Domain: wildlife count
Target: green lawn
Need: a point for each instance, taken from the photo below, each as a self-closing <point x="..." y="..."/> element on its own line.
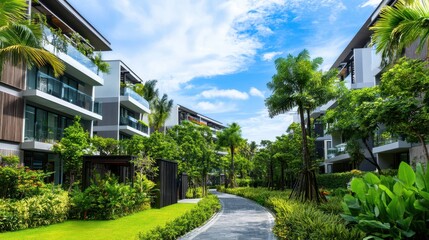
<point x="124" y="228"/>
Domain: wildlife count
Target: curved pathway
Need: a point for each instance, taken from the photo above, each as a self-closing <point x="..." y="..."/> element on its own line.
<point x="239" y="218"/>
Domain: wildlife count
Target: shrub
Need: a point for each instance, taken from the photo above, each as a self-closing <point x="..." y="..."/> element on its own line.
<point x="295" y="220"/>
<point x="190" y="220"/>
<point x="47" y="208"/>
<point x="336" y="180"/>
<point x="390" y="207"/>
<point x="108" y="199"/>
<point x="244" y="182"/>
<point x="194" y="192"/>
<point x="21" y="182"/>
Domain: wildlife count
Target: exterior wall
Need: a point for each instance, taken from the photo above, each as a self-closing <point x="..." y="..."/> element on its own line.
<point x="417" y="155"/>
<point x="13" y="76"/>
<point x="11" y="117"/>
<point x="173" y="119"/>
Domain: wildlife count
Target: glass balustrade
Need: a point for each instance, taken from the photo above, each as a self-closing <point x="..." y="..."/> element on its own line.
<point x="130" y="93"/>
<point x="54" y="87"/>
<point x="337" y="150"/>
<point x="134" y="123"/>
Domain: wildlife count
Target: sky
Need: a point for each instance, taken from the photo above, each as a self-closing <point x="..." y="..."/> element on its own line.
<point x="217" y="56"/>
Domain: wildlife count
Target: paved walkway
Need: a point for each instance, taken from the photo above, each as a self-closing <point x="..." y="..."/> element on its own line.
<point x="239" y="218"/>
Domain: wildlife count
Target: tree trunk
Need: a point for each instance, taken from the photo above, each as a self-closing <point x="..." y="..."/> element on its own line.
<point x="282" y="175"/>
<point x="232" y="169"/>
<point x="271" y="175"/>
<point x="306" y="188"/>
<point x="308" y="123"/>
<point x="425" y="148"/>
<point x="373" y="161"/>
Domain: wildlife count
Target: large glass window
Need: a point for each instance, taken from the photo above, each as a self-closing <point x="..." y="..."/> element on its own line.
<point x="41" y="125"/>
<point x="30" y="114"/>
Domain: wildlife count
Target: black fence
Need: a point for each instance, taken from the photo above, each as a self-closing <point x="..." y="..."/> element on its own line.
<point x="183" y="185"/>
<point x="166" y="182"/>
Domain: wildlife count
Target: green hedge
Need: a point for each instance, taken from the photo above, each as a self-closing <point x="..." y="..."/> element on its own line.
<point x="336" y="180"/>
<point x="47" y="208"/>
<point x="190" y="220"/>
<point x="295" y="220"/>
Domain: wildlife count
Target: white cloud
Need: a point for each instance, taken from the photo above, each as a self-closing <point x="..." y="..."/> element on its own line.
<point x="224" y="93"/>
<point x="256" y="92"/>
<point x="218" y="107"/>
<point x="262" y="127"/>
<point x="270" y="55"/>
<point x="370" y="3"/>
<point x="329" y="49"/>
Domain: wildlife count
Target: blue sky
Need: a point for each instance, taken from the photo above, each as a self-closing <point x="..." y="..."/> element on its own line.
<point x="216" y="56"/>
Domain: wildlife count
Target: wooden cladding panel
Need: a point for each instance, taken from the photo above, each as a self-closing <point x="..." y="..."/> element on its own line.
<point x="13" y="75"/>
<point x="11" y="117"/>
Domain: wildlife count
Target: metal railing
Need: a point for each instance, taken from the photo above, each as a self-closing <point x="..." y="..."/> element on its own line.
<point x="125" y="91"/>
<point x="337" y="150"/>
<point x="54" y="87"/>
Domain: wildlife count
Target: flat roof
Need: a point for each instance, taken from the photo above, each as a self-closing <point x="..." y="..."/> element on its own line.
<point x="128" y="70"/>
<point x="77" y="22"/>
<point x="200" y="115"/>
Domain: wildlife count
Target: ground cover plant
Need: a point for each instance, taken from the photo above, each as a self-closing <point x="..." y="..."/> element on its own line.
<point x="124" y="228"/>
<point x="296" y="220"/>
<point x="185" y="223"/>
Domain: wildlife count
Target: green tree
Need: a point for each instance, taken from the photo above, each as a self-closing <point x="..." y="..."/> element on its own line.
<point x="147" y="90"/>
<point x="230" y="137"/>
<point x="291" y="88"/>
<point x="404" y="107"/>
<point x="21" y="39"/>
<point x="102" y="66"/>
<point x="105" y="146"/>
<point x="399" y="26"/>
<point x="71" y="148"/>
<point x="355" y="119"/>
<point x="161" y="109"/>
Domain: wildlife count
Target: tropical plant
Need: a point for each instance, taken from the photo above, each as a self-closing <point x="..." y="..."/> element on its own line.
<point x="147" y="90"/>
<point x="388" y="207"/>
<point x="71" y="148"/>
<point x="102" y="66"/>
<point x="21" y="39"/>
<point x="292" y="86"/>
<point x="161" y="109"/>
<point x="230" y="137"/>
<point x="399" y="26"/>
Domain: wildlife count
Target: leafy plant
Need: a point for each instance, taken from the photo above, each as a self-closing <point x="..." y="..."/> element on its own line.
<point x="390" y="207"/>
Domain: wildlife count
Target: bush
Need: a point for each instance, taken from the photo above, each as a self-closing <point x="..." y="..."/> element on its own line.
<point x="195" y="192"/>
<point x="244" y="182"/>
<point x="336" y="180"/>
<point x="47" y="208"/>
<point x="108" y="199"/>
<point x="21" y="182"/>
<point x="295" y="220"/>
<point x="390" y="207"/>
<point x="304" y="221"/>
<point x="190" y="220"/>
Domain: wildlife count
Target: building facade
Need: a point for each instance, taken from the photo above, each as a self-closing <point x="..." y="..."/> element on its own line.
<point x="125" y="113"/>
<point x="35" y="105"/>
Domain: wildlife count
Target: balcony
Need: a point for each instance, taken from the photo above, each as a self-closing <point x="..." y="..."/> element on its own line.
<point x="50" y="92"/>
<point x="77" y="63"/>
<point x="132" y="126"/>
<point x="134" y="101"/>
<point x="41" y="139"/>
<point x="386" y="142"/>
<point x="337" y="153"/>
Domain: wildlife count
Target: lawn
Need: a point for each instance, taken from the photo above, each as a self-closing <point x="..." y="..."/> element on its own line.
<point x="124" y="228"/>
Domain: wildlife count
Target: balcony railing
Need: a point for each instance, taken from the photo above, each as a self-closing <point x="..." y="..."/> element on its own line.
<point x="130" y="93"/>
<point x="43" y="133"/>
<point x="71" y="51"/>
<point x="134" y="123"/>
<point x="384" y="137"/>
<point x="337" y="150"/>
<point x="54" y="87"/>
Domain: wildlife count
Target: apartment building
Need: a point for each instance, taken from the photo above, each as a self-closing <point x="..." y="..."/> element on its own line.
<point x="180" y="113"/>
<point x="125" y="113"/>
<point x="359" y="67"/>
<point x="36" y="106"/>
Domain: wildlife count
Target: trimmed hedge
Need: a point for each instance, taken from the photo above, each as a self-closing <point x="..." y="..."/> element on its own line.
<point x="190" y="220"/>
<point x="295" y="220"/>
<point x="44" y="209"/>
<point x="336" y="180"/>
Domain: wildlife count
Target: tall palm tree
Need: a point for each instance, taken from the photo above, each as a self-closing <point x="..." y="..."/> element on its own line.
<point x="291" y="88"/>
<point x="399" y="26"/>
<point x="161" y="109"/>
<point x="231" y="137"/>
<point x="21" y="39"/>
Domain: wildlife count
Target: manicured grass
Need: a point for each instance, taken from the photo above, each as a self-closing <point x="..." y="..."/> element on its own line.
<point x="124" y="228"/>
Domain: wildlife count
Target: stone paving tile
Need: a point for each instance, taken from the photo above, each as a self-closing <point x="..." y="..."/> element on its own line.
<point x="239" y="218"/>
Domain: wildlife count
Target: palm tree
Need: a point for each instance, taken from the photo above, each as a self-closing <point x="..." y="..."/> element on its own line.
<point x="147" y="90"/>
<point x="21" y="39"/>
<point x="290" y="85"/>
<point x="102" y="66"/>
<point x="399" y="26"/>
<point x="161" y="109"/>
<point x="231" y="137"/>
